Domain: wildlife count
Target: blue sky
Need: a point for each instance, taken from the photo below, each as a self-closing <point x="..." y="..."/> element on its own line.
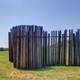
<point x="52" y="14"/>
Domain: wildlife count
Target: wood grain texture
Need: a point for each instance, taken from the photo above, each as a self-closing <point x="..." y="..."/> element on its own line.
<point x="31" y="47"/>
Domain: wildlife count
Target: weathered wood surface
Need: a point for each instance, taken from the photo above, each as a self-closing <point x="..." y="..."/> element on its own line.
<point x="59" y="46"/>
<point x="10" y="47"/>
<point x="71" y="47"/>
<point x="31" y="47"/>
<point x="48" y="50"/>
<point x="79" y="45"/>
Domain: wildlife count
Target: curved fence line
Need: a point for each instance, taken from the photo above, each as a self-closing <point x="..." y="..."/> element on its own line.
<point x="31" y="47"/>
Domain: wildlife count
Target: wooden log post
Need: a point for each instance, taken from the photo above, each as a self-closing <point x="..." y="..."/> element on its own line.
<point x="74" y="36"/>
<point x="27" y="47"/>
<point x="50" y="54"/>
<point x="10" y="47"/>
<point x="62" y="55"/>
<point x="35" y="37"/>
<point x="65" y="46"/>
<point x="9" y="40"/>
<point x="48" y="50"/>
<point x="56" y="48"/>
<point x="40" y="33"/>
<point x="30" y="47"/>
<point x="79" y="45"/>
<point x="21" y="47"/>
<point x="44" y="47"/>
<point x="24" y="49"/>
<point x="70" y="57"/>
<point x="34" y="48"/>
<point x="76" y="50"/>
<point x="52" y="48"/>
<point x="59" y="46"/>
<point x="14" y="43"/>
<point x="71" y="48"/>
<point x="39" y="40"/>
<point x="18" y="49"/>
<point x="42" y="50"/>
<point x="37" y="46"/>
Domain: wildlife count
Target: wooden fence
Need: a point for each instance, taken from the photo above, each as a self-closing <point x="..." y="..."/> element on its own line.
<point x="31" y="47"/>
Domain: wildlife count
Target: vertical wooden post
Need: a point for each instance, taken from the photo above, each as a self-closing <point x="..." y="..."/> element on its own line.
<point x="18" y="50"/>
<point x="24" y="49"/>
<point x="77" y="36"/>
<point x="65" y="46"/>
<point x="44" y="47"/>
<point x="10" y="47"/>
<point x="71" y="48"/>
<point x="34" y="48"/>
<point x="50" y="54"/>
<point x="35" y="37"/>
<point x="59" y="46"/>
<point x="14" y="43"/>
<point x="76" y="49"/>
<point x="39" y="45"/>
<point x="41" y="29"/>
<point x="51" y="47"/>
<point x="79" y="46"/>
<point x="54" y="44"/>
<point x="27" y="46"/>
<point x="48" y="50"/>
<point x="62" y="55"/>
<point x="56" y="48"/>
<point x="21" y="55"/>
<point x="70" y="57"/>
<point x="30" y="47"/>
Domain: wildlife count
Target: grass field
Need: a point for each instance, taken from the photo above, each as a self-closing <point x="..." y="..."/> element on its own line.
<point x="7" y="72"/>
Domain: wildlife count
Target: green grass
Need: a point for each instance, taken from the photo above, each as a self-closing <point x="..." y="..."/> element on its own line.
<point x="7" y="72"/>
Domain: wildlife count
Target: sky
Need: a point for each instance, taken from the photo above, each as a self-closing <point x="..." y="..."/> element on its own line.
<point x="51" y="14"/>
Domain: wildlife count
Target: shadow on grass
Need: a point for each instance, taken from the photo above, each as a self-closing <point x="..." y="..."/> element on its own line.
<point x="48" y="68"/>
<point x="38" y="69"/>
